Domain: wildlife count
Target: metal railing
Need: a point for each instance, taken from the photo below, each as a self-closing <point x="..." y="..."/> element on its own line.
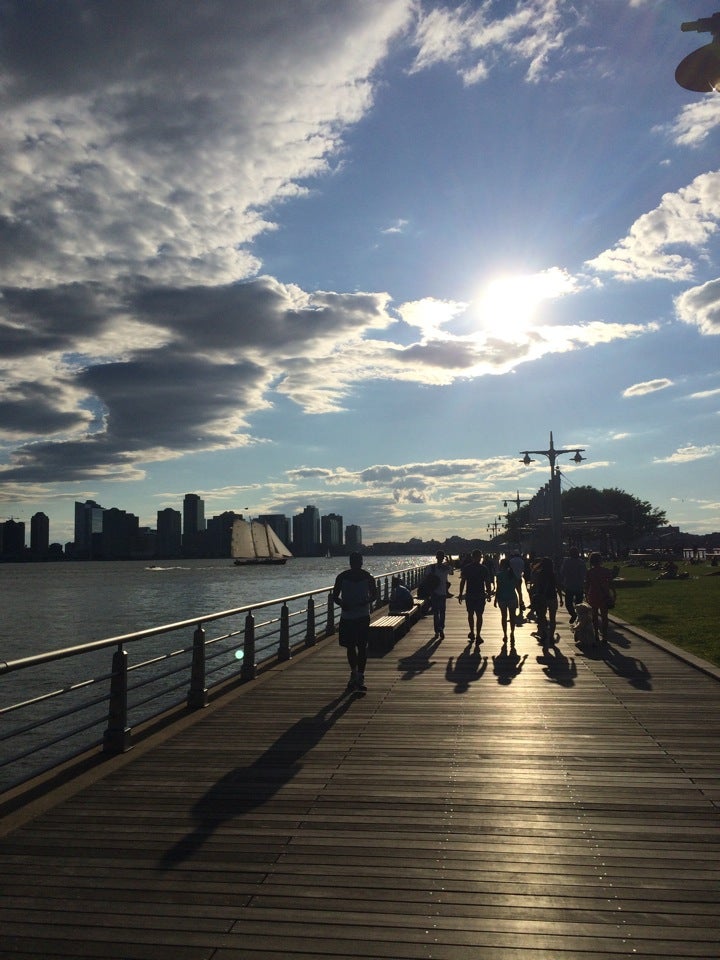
<point x="71" y="703"/>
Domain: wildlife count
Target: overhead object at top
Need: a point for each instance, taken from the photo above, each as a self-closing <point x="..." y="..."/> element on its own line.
<point x="700" y="70"/>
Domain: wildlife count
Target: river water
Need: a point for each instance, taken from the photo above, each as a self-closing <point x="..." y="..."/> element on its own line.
<point x="47" y="606"/>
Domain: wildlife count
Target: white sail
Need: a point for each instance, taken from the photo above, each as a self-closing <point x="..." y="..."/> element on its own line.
<point x="277" y="547"/>
<point x="256" y="542"/>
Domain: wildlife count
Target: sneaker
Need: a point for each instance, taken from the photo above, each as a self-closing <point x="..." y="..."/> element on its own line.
<point x="471" y="636"/>
<point x="442" y="634"/>
<point x="352" y="683"/>
<point x="361" y="682"/>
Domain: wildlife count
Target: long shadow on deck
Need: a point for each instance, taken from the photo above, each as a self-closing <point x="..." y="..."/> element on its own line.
<point x="245" y="788"/>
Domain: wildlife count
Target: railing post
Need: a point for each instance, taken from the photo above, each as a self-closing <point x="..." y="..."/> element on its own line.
<point x="249" y="670"/>
<point x="197" y="694"/>
<point x="310" y="626"/>
<point x="330" y="619"/>
<point x="284" y="645"/>
<point x="387" y="591"/>
<point x="118" y="736"/>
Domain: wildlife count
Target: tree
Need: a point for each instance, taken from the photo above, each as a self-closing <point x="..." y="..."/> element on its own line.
<point x="638" y="517"/>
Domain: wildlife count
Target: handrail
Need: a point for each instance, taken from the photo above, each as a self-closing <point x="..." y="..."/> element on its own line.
<point x="235" y="651"/>
<point x="8" y="666"/>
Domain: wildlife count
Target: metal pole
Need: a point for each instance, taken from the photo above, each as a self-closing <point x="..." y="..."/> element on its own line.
<point x="249" y="669"/>
<point x="197" y="694"/>
<point x="284" y="645"/>
<point x="310" y="623"/>
<point x="118" y="736"/>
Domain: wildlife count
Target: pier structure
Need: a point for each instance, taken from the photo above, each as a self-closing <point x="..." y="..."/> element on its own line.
<point x="478" y="801"/>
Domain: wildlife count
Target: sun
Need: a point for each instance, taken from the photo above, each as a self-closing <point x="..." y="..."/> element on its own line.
<point x="507" y="307"/>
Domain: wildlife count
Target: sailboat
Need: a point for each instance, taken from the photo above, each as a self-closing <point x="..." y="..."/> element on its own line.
<point x="256" y="543"/>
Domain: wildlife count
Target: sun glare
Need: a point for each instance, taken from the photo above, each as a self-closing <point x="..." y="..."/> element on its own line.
<point x="508" y="305"/>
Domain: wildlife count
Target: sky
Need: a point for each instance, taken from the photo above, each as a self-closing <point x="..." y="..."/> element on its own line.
<point x="360" y="254"/>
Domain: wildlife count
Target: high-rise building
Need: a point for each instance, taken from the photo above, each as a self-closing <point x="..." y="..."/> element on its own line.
<point x="119" y="536"/>
<point x="193" y="524"/>
<point x="306" y="532"/>
<point x="13" y="539"/>
<point x="353" y="536"/>
<point x="169" y="533"/>
<point x="331" y="529"/>
<point x="219" y="534"/>
<point x="39" y="535"/>
<point x="88" y="529"/>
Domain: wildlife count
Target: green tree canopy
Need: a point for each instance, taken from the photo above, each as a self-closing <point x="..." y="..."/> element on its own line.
<point x="638" y="517"/>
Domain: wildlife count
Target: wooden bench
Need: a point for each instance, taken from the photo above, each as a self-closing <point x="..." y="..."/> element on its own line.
<point x="386" y="630"/>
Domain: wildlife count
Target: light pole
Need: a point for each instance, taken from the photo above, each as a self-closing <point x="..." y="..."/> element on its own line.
<point x="555" y="503"/>
<point x="494" y="526"/>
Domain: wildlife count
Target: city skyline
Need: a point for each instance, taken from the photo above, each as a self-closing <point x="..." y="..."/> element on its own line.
<point x="357" y="254"/>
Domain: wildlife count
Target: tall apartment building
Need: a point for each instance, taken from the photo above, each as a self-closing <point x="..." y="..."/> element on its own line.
<point x="12" y="541"/>
<point x="193" y="524"/>
<point x="169" y="533"/>
<point x="39" y="535"/>
<point x="331" y="530"/>
<point x="219" y="534"/>
<point x="88" y="529"/>
<point x="353" y="536"/>
<point x="306" y="532"/>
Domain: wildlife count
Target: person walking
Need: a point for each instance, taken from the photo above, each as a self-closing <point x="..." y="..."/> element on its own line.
<point x="544" y="596"/>
<point x="506" y="598"/>
<point x="442" y="570"/>
<point x="600" y="594"/>
<point x="517" y="565"/>
<point x="573" y="571"/>
<point x="476" y="587"/>
<point x="354" y="592"/>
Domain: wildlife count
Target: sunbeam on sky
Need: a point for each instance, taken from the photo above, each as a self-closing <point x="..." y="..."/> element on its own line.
<point x="356" y="254"/>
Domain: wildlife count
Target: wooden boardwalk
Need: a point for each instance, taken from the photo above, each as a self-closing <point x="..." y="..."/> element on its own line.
<point x="468" y="806"/>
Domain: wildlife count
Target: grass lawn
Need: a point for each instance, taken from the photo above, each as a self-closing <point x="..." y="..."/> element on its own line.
<point x="684" y="612"/>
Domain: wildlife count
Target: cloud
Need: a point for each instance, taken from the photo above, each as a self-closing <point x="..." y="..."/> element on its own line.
<point x="704" y="394"/>
<point x="397" y="227"/>
<point x="467" y="38"/>
<point x="648" y="386"/>
<point x="694" y="123"/>
<point x="685" y="220"/>
<point x="689" y="453"/>
<point x="700" y="307"/>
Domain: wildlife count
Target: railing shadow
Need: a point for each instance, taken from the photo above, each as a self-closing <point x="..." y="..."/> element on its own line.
<point x="246" y="788"/>
<point x="467" y="668"/>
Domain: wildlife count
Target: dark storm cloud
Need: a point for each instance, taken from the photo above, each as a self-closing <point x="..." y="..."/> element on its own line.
<point x="155" y="408"/>
<point x="29" y="408"/>
<point x="260" y="313"/>
<point x="40" y="320"/>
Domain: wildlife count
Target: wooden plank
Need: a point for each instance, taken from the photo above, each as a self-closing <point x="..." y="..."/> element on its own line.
<point x="563" y="807"/>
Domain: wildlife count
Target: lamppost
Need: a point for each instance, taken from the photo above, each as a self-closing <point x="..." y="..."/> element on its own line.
<point x="517" y="501"/>
<point x="700" y="70"/>
<point x="495" y="526"/>
<point x="554" y="489"/>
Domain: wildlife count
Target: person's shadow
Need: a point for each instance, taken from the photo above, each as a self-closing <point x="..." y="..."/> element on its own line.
<point x="419" y="660"/>
<point x="466" y="669"/>
<point x="632" y="669"/>
<point x="557" y="667"/>
<point x="245" y="788"/>
<point x="508" y="664"/>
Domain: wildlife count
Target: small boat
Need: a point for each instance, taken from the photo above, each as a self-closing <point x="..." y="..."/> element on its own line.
<point x="256" y="544"/>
